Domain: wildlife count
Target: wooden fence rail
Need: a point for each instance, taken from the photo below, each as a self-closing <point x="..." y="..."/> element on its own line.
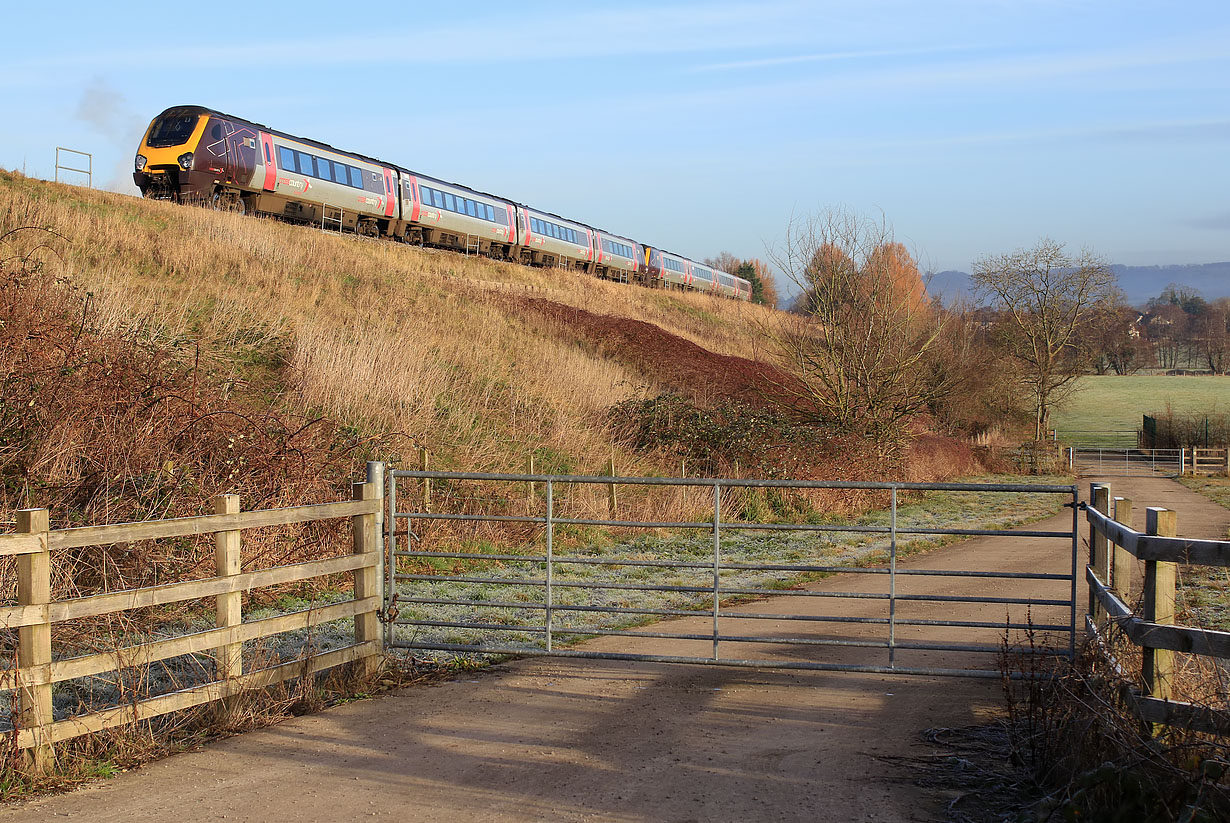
<point x="37" y="671"/>
<point x="1154" y="630"/>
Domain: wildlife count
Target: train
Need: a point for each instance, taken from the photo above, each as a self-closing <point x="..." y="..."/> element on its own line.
<point x="195" y="154"/>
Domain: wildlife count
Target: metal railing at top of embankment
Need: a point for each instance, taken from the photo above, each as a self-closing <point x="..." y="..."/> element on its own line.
<point x="542" y="596"/>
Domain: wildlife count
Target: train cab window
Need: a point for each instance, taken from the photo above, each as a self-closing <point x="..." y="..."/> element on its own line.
<point x="171" y="130"/>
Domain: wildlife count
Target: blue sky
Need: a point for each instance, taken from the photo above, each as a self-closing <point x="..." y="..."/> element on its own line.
<point x="974" y="127"/>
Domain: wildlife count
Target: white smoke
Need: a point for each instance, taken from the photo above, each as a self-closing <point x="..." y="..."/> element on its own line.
<point x="107" y="110"/>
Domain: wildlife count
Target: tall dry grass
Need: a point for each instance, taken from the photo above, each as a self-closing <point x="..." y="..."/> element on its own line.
<point x="384" y="337"/>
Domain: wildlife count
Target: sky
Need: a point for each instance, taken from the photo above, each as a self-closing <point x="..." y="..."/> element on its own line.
<point x="974" y="128"/>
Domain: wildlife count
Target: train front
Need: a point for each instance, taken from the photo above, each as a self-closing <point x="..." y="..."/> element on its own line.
<point x="164" y="166"/>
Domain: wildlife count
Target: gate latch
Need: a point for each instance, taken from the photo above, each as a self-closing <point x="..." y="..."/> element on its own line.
<point x="1081" y="506"/>
<point x="389" y="613"/>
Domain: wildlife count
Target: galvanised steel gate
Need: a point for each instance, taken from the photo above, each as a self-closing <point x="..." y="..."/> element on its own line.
<point x="522" y="592"/>
<point x="1124" y="462"/>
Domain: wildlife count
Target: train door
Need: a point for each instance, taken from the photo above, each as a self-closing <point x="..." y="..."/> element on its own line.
<point x="271" y="166"/>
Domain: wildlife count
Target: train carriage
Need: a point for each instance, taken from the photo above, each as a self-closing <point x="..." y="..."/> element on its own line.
<point x="445" y="214"/>
<point x="666" y="270"/>
<point x="704" y="278"/>
<point x="550" y="240"/>
<point x="617" y="258"/>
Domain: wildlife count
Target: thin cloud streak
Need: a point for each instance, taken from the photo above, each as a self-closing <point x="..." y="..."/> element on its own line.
<point x="826" y="57"/>
<point x="587" y="35"/>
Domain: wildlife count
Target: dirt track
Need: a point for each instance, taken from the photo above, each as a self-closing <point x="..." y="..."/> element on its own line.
<point x="579" y="740"/>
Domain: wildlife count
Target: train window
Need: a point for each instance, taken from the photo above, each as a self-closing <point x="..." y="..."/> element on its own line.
<point x="306" y="164"/>
<point x="173" y="130"/>
<point x="286" y="157"/>
<point x="356" y="177"/>
<point x="491" y="212"/>
<point x="340" y="173"/>
<point x="470" y="210"/>
<point x="324" y="169"/>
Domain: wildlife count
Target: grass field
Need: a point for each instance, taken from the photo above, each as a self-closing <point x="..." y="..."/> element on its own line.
<point x="1113" y="403"/>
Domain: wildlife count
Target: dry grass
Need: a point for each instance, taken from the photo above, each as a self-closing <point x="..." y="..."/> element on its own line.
<point x="384" y="337"/>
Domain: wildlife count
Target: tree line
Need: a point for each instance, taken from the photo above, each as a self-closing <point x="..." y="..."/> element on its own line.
<point x="1178" y="329"/>
<point x="870" y="354"/>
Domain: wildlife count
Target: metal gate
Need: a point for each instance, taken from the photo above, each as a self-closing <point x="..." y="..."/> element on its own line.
<point x="1116" y="462"/>
<point x="525" y="568"/>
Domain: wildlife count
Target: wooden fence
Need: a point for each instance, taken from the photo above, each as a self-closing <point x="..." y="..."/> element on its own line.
<point x="1114" y="547"/>
<point x="37" y="670"/>
<point x="1210" y="461"/>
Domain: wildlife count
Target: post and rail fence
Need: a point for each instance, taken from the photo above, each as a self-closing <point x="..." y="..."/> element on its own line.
<point x="1114" y="548"/>
<point x="37" y="669"/>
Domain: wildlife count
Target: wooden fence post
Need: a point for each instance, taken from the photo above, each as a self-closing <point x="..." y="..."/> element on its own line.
<point x="1158" y="664"/>
<point x="367" y="580"/>
<point x="228" y="658"/>
<point x="1121" y="574"/>
<point x="613" y="501"/>
<point x="34" y="705"/>
<point x="423" y="463"/>
<point x="1099" y="498"/>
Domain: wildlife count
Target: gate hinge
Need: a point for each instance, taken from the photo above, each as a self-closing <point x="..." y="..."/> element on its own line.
<point x="1081" y="506"/>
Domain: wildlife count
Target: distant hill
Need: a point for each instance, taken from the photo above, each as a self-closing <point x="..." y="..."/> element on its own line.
<point x="1139" y="283"/>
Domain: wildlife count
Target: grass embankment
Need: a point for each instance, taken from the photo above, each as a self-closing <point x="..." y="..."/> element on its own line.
<point x="1106" y="404"/>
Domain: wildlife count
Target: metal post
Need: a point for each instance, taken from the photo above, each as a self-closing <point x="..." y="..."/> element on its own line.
<point x="892" y="581"/>
<point x="717" y="561"/>
<point x="550" y="549"/>
<point x="1076" y="499"/>
<point x="390" y="556"/>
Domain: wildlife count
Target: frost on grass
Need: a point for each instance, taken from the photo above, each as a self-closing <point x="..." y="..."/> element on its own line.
<point x="511" y="613"/>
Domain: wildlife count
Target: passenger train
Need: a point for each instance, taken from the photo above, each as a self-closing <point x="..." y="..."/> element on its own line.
<point x="195" y="154"/>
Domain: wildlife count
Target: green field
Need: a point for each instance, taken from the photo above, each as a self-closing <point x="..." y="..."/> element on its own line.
<point x="1114" y="403"/>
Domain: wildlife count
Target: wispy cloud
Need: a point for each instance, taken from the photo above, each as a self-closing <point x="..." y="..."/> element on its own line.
<point x="596" y="33"/>
<point x="826" y="57"/>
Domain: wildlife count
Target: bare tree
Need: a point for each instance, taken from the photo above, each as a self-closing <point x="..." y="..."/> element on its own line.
<point x="1048" y="297"/>
<point x="860" y="340"/>
<point x="1213" y="335"/>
